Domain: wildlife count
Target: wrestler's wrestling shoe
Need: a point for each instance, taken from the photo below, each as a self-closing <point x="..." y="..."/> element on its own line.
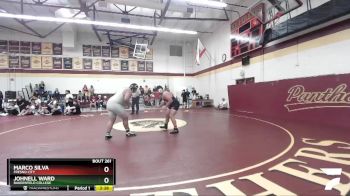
<point x="108" y="136"/>
<point x="165" y="127"/>
<point x="130" y="134"/>
<point x="175" y="131"/>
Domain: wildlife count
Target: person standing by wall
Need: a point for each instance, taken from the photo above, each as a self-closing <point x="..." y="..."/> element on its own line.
<point x="91" y="91"/>
<point x="135" y="101"/>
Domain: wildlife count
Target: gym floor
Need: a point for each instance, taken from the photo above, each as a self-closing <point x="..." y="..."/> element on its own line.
<point x="214" y="146"/>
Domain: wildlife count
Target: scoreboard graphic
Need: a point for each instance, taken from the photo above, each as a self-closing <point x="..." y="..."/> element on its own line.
<point x="96" y="174"/>
<point x="247" y="31"/>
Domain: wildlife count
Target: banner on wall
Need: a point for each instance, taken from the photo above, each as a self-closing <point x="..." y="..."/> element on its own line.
<point x="36" y="62"/>
<point x="124" y="65"/>
<point x="149" y="66"/>
<point x="97" y="64"/>
<point x="36" y="48"/>
<point x="124" y="52"/>
<point x="4" y="46"/>
<point x="149" y="54"/>
<point x="87" y="63"/>
<point x="25" y="62"/>
<point x="25" y="47"/>
<point x="106" y="64"/>
<point x="133" y="65"/>
<point x="77" y="63"/>
<point x="115" y="65"/>
<point x="96" y="51"/>
<point x="13" y="61"/>
<point x="57" y="48"/>
<point x="131" y="53"/>
<point x="106" y="51"/>
<point x="46" y="48"/>
<point x="114" y="52"/>
<point x="4" y="61"/>
<point x="141" y="66"/>
<point x="87" y="50"/>
<point x="13" y="46"/>
<point x="46" y="62"/>
<point x="57" y="62"/>
<point x="68" y="63"/>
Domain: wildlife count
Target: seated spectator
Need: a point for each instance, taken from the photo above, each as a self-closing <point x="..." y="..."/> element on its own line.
<point x="69" y="107"/>
<point x="80" y="96"/>
<point x="68" y="96"/>
<point x="44" y="109"/>
<point x="41" y="88"/>
<point x="54" y="107"/>
<point x="29" y="110"/>
<point x="99" y="102"/>
<point x="77" y="110"/>
<point x="21" y="104"/>
<point x="93" y="102"/>
<point x="10" y="109"/>
<point x="56" y="94"/>
<point x="222" y="105"/>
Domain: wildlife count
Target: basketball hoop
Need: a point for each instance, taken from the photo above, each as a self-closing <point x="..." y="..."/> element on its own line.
<point x="140" y="50"/>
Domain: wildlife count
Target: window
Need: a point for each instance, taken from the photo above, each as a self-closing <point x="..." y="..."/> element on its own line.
<point x="175" y="50"/>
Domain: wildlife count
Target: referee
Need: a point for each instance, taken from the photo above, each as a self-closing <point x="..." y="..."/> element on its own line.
<point x="135" y="99"/>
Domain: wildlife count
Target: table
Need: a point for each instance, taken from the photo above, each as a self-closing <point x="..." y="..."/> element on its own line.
<point x="202" y="103"/>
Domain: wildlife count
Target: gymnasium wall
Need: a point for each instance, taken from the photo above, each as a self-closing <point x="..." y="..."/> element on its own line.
<point x="163" y="64"/>
<point x="319" y="53"/>
<point x="320" y="100"/>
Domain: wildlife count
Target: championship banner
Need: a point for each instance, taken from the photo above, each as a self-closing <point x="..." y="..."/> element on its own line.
<point x="13" y="61"/>
<point x="96" y="51"/>
<point x="57" y="49"/>
<point x="133" y="65"/>
<point x="57" y="62"/>
<point x="4" y="61"/>
<point x="97" y="64"/>
<point x="123" y="52"/>
<point x="115" y="65"/>
<point x="131" y="54"/>
<point x="25" y="62"/>
<point x="68" y="63"/>
<point x="25" y="47"/>
<point x="14" y="47"/>
<point x="106" y="64"/>
<point x="87" y="63"/>
<point x="141" y="66"/>
<point x="149" y="66"/>
<point x="87" y="50"/>
<point x="114" y="52"/>
<point x="124" y="65"/>
<point x="36" y="62"/>
<point x="149" y="54"/>
<point x="46" y="48"/>
<point x="4" y="46"/>
<point x="77" y="63"/>
<point x="106" y="51"/>
<point x="36" y="48"/>
<point x="46" y="62"/>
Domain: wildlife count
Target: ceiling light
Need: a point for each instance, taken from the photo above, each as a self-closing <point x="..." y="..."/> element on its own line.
<point x="98" y="23"/>
<point x="208" y="3"/>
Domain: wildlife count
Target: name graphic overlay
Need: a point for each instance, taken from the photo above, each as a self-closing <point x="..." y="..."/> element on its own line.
<point x="96" y="174"/>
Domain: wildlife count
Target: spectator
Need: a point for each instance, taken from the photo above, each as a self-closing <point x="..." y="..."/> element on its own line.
<point x="185" y="96"/>
<point x="99" y="102"/>
<point x="21" y="104"/>
<point x="69" y="107"/>
<point x="157" y="96"/>
<point x="93" y="102"/>
<point x="223" y="105"/>
<point x="44" y="109"/>
<point x="105" y="99"/>
<point x="41" y="88"/>
<point x="91" y="91"/>
<point x="80" y="96"/>
<point x="135" y="100"/>
<point x="10" y="109"/>
<point x="142" y="91"/>
<point x="68" y="96"/>
<point x="76" y="110"/>
<point x="29" y="110"/>
<point x="1" y="104"/>
<point x="86" y="93"/>
<point x="194" y="92"/>
<point x="54" y="107"/>
<point x="56" y="94"/>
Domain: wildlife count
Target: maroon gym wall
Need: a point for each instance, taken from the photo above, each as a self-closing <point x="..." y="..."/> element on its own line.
<point x="270" y="99"/>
